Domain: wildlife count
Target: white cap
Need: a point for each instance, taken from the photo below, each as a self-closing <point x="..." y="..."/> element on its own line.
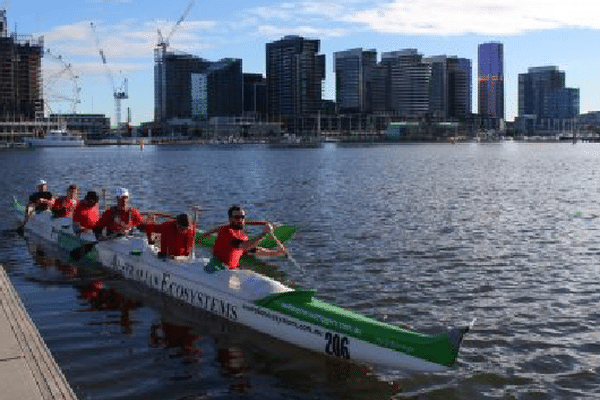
<point x="41" y="182"/>
<point x="121" y="192"/>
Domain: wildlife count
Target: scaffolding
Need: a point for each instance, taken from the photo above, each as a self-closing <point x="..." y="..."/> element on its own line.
<point x="21" y="94"/>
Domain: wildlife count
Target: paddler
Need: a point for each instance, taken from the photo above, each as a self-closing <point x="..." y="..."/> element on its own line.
<point x="232" y="242"/>
<point x="176" y="236"/>
<point x="120" y="219"/>
<point x="39" y="201"/>
<point x="65" y="205"/>
<point x="86" y="214"/>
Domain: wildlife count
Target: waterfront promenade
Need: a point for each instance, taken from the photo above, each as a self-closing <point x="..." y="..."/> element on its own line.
<point x="27" y="369"/>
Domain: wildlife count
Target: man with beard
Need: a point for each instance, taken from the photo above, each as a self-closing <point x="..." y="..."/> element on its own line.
<point x="232" y="242"/>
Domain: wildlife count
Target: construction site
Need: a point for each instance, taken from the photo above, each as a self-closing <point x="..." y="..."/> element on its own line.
<point x="21" y="94"/>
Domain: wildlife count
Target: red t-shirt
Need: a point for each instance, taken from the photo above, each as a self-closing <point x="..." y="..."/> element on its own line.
<point x="227" y="246"/>
<point x="64" y="207"/>
<point x="119" y="221"/>
<point x="173" y="241"/>
<point x="86" y="216"/>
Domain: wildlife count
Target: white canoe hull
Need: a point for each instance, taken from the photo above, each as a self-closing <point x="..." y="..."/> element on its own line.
<point x="231" y="294"/>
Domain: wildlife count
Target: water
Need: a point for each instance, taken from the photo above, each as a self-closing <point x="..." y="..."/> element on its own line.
<point x="423" y="235"/>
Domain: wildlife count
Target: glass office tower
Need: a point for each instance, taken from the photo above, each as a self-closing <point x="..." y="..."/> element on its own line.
<point x="491" y="80"/>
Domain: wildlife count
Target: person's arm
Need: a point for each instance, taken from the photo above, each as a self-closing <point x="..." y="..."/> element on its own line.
<point x="209" y="232"/>
<point x="281" y="250"/>
<point x="190" y="235"/>
<point x="137" y="221"/>
<point x="59" y="208"/>
<point x="102" y="223"/>
<point x="253" y="243"/>
<point x="49" y="201"/>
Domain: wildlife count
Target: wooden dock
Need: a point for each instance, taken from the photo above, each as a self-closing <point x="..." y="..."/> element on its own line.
<point x="27" y="368"/>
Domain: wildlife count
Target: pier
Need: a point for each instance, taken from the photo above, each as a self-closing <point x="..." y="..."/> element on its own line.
<point x="27" y="369"/>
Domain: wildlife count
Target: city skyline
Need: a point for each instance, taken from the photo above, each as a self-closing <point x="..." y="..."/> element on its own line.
<point x="533" y="34"/>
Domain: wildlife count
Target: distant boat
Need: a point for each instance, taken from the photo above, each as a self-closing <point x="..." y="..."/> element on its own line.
<point x="56" y="138"/>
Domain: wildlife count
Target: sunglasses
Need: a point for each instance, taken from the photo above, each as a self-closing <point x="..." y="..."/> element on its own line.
<point x="239" y="216"/>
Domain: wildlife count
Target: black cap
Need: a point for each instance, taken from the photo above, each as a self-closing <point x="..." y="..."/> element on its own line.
<point x="91" y="195"/>
<point x="182" y="220"/>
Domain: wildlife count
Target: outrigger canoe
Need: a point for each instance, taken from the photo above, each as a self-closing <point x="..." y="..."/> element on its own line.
<point x="268" y="306"/>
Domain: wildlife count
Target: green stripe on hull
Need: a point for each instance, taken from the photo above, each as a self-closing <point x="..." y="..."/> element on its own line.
<point x="70" y="242"/>
<point x="440" y="349"/>
<point x="283" y="233"/>
<point x="18" y="207"/>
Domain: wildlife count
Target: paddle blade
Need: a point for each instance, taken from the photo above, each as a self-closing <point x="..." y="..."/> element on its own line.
<point x="80" y="252"/>
<point x="283" y="233"/>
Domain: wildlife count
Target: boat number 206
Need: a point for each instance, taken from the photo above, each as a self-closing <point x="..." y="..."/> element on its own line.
<point x="337" y="345"/>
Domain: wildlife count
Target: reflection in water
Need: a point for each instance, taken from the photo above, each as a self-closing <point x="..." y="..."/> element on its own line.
<point x="170" y="336"/>
<point x="97" y="293"/>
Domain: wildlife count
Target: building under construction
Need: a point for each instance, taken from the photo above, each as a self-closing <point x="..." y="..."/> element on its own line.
<point x="21" y="101"/>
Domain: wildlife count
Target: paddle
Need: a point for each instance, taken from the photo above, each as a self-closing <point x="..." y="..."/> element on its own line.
<point x="288" y="254"/>
<point x="79" y="252"/>
<point x="283" y="233"/>
<point x="158" y="214"/>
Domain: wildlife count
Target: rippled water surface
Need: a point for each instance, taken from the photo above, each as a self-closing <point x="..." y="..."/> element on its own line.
<point x="423" y="235"/>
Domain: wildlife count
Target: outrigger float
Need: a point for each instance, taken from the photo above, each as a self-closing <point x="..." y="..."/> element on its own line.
<point x="261" y="303"/>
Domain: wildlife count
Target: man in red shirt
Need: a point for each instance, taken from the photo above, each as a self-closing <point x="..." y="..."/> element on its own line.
<point x="232" y="242"/>
<point x="176" y="236"/>
<point x="65" y="205"/>
<point x="120" y="219"/>
<point x="86" y="214"/>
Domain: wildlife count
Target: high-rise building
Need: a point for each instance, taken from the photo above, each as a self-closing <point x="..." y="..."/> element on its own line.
<point x="450" y="89"/>
<point x="542" y="93"/>
<point x="490" y="78"/>
<point x="186" y="86"/>
<point x="354" y="76"/>
<point x="255" y="95"/>
<point x="295" y="73"/>
<point x="218" y="90"/>
<point x="20" y="74"/>
<point x="409" y="82"/>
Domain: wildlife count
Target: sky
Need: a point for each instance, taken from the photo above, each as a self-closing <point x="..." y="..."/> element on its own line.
<point x="534" y="33"/>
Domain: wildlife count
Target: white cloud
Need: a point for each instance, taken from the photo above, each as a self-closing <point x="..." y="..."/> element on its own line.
<point x="429" y="17"/>
<point x="275" y="31"/>
<point x="125" y="39"/>
<point x="434" y="17"/>
<point x="74" y="32"/>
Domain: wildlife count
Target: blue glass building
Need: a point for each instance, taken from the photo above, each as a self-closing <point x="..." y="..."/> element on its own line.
<point x="490" y="79"/>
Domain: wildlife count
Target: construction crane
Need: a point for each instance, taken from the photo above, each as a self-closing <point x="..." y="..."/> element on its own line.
<point x="160" y="55"/>
<point x="163" y="43"/>
<point x="4" y="6"/>
<point x="55" y="79"/>
<point x="119" y="93"/>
